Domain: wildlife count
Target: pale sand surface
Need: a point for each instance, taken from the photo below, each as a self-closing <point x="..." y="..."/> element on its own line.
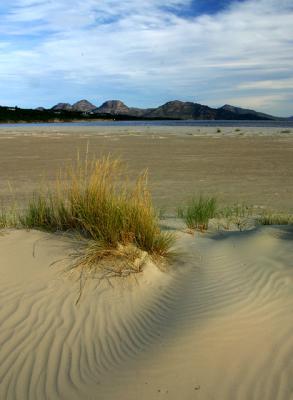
<point x="218" y="325"/>
<point x="252" y="165"/>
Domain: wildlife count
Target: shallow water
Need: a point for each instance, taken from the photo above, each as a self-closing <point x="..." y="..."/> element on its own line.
<point x="211" y="123"/>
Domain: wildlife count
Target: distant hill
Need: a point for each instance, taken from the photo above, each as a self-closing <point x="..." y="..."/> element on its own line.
<point x="83" y="106"/>
<point x="181" y="110"/>
<point x="246" y="111"/>
<point x="172" y="110"/>
<point x="79" y="106"/>
<point x="116" y="109"/>
<point x="62" y="107"/>
<point x="113" y="107"/>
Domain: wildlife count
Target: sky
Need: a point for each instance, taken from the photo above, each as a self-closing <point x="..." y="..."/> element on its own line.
<point x="148" y="52"/>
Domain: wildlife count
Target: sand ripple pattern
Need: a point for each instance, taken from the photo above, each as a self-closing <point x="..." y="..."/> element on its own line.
<point x="217" y="326"/>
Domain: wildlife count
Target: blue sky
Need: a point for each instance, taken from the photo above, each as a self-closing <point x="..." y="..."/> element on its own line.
<point x="147" y="52"/>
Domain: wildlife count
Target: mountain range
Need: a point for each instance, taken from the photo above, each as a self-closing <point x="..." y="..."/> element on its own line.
<point x="171" y="110"/>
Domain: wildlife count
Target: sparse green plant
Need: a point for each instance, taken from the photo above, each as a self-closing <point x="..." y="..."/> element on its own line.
<point x="286" y="131"/>
<point x="162" y="212"/>
<point x="238" y="210"/>
<point x="219" y="130"/>
<point x="3" y="220"/>
<point x="8" y="218"/>
<point x="198" y="212"/>
<point x="237" y="214"/>
<point x="270" y="218"/>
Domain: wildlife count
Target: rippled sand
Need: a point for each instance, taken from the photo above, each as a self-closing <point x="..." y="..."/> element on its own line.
<point x="218" y="325"/>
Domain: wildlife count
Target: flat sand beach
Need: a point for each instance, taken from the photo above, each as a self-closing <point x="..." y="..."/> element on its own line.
<point x="215" y="323"/>
<point x="250" y="165"/>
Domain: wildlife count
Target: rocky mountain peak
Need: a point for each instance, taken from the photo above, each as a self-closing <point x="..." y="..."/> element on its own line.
<point x="174" y="109"/>
<point x="113" y="107"/>
<point x="62" y="107"/>
<point x="83" y="106"/>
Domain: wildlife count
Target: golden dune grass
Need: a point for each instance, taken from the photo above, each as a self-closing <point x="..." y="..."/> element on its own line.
<point x="96" y="200"/>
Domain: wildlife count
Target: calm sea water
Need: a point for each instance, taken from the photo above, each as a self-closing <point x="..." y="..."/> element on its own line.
<point x="276" y="124"/>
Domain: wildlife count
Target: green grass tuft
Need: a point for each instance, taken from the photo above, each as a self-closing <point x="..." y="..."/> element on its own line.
<point x="198" y="211"/>
<point x="8" y="218"/>
<point x="270" y="218"/>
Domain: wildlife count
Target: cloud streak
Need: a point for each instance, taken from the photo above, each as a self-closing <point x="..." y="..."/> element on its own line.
<point x="147" y="52"/>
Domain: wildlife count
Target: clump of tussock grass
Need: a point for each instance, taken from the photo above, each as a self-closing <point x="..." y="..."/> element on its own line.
<point x="198" y="212"/>
<point x="238" y="210"/>
<point x="237" y="214"/>
<point x="8" y="218"/>
<point x="3" y="219"/>
<point x="96" y="200"/>
<point x="270" y="218"/>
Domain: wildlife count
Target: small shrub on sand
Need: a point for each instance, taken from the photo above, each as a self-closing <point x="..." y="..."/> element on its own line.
<point x="3" y="219"/>
<point x="198" y="211"/>
<point x="275" y="219"/>
<point x="236" y="211"/>
<point x="8" y="218"/>
<point x="96" y="200"/>
<point x="237" y="214"/>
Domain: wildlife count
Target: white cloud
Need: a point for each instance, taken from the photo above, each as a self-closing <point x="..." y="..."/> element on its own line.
<point x="138" y="44"/>
<point x="268" y="84"/>
<point x="256" y="102"/>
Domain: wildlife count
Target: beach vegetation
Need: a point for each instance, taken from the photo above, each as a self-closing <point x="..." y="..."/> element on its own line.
<point x="271" y="218"/>
<point x="237" y="214"/>
<point x="8" y="218"/>
<point x="96" y="200"/>
<point x="198" y="211"/>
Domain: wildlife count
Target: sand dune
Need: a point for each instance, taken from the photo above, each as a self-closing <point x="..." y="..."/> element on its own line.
<point x="217" y="325"/>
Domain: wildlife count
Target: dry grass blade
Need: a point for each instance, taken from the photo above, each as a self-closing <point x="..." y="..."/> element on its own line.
<point x="96" y="199"/>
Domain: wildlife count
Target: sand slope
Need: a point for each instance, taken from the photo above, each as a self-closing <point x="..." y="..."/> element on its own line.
<point x="217" y="326"/>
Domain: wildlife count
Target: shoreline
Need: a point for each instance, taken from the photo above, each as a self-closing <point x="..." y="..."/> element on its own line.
<point x="277" y="124"/>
